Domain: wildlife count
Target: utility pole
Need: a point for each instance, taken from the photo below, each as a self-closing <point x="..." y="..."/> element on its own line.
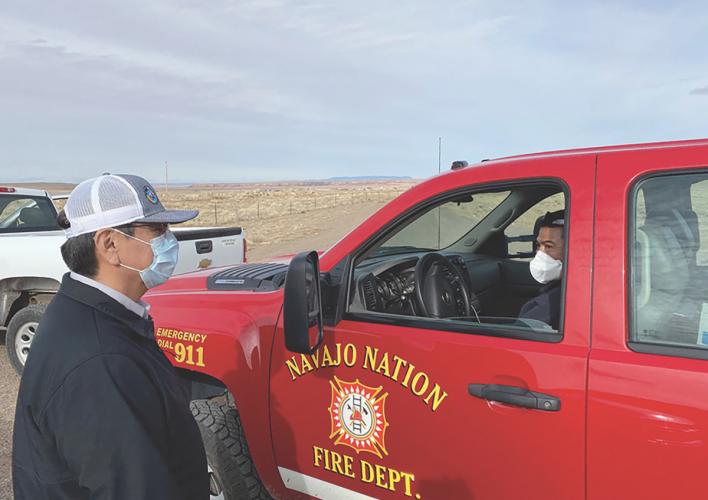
<point x="166" y="177"/>
<point x="439" y="153"/>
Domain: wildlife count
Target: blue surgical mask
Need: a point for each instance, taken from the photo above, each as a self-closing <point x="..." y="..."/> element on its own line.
<point x="165" y="250"/>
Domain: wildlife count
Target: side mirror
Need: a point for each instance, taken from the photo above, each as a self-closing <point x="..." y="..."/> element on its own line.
<point x="302" y="305"/>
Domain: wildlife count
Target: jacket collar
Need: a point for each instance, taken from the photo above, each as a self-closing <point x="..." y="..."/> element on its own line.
<point x="98" y="300"/>
<point x="140" y="308"/>
<point x="549" y="286"/>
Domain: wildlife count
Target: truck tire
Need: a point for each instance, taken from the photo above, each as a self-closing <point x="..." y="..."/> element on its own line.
<point x="20" y="333"/>
<point x="232" y="474"/>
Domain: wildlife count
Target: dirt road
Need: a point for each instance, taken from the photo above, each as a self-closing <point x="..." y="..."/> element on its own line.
<point x="315" y="230"/>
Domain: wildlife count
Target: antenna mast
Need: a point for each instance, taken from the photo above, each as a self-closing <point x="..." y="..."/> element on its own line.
<point x="439" y="166"/>
<point x="439" y="153"/>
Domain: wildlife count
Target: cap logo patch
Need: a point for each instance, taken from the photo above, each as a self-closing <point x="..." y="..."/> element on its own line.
<point x="150" y="195"/>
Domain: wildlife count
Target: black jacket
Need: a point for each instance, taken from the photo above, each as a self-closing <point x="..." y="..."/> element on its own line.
<point x="545" y="306"/>
<point x="101" y="413"/>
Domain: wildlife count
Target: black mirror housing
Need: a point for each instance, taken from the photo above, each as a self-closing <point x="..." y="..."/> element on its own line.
<point x="302" y="304"/>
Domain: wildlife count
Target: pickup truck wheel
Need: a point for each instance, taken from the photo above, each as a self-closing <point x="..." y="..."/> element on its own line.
<point x="232" y="474"/>
<point x="20" y="334"/>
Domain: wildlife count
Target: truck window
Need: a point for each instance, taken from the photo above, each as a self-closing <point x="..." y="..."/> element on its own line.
<point x="447" y="223"/>
<point x="26" y="214"/>
<point x="449" y="263"/>
<point x="669" y="263"/>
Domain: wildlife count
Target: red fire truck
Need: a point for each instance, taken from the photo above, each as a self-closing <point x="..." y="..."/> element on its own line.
<point x="397" y="364"/>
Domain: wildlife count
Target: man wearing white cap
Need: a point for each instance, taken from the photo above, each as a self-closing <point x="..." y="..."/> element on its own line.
<point x="101" y="413"/>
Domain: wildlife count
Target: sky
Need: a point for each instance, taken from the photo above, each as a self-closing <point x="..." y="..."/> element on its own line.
<point x="250" y="90"/>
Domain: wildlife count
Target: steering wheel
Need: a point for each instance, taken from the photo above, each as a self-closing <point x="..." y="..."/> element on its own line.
<point x="440" y="289"/>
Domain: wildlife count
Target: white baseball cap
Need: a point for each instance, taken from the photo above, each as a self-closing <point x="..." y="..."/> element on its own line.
<point x="114" y="200"/>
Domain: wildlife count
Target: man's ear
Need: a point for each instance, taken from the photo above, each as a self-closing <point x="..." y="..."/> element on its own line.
<point x="107" y="242"/>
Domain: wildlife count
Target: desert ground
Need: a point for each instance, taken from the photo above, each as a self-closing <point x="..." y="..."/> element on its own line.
<point x="278" y="218"/>
<point x="285" y="217"/>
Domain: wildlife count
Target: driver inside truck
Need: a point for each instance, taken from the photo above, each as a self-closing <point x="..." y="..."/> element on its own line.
<point x="546" y="268"/>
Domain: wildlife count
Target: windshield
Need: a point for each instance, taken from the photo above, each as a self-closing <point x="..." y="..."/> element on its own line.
<point x="442" y="225"/>
<point x="19" y="214"/>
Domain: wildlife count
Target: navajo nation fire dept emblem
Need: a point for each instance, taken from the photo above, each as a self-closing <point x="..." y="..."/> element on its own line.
<point x="358" y="416"/>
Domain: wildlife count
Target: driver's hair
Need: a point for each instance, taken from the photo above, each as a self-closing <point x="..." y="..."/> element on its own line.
<point x="554" y="219"/>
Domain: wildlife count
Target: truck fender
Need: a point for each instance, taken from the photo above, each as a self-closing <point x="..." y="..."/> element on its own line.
<point x="237" y="349"/>
<point x="19" y="292"/>
<point x="202" y="386"/>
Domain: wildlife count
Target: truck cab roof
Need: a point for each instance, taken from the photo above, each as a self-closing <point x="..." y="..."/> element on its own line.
<point x="11" y="190"/>
<point x="605" y="149"/>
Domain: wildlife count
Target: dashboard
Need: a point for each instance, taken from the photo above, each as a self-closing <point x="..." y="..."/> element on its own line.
<point x="390" y="286"/>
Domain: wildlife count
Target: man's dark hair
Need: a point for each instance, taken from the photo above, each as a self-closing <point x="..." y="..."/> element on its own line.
<point x="79" y="252"/>
<point x="554" y="219"/>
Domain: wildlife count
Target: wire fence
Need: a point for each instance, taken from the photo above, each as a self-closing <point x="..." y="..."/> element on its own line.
<point x="233" y="207"/>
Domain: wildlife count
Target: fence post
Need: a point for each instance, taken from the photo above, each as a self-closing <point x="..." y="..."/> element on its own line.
<point x="258" y="210"/>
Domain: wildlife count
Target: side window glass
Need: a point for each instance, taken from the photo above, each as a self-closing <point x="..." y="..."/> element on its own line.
<point x="449" y="263"/>
<point x="520" y="234"/>
<point x="699" y="202"/>
<point x="669" y="261"/>
<point x="18" y="214"/>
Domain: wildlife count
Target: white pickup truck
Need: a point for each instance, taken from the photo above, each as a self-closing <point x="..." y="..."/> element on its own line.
<point x="31" y="266"/>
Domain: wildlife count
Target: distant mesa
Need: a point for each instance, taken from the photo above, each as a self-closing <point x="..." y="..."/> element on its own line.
<point x="371" y="178"/>
<point x="56" y="188"/>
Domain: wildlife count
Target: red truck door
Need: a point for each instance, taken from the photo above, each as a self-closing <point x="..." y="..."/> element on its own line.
<point x="396" y="404"/>
<point x="648" y="374"/>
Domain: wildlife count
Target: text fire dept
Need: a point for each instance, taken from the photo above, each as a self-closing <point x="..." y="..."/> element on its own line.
<point x="378" y="475"/>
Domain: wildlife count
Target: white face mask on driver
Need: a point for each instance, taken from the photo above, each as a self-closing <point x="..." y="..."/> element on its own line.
<point x="545" y="268"/>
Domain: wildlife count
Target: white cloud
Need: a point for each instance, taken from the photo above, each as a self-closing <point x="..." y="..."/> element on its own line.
<point x="231" y="88"/>
<point x="22" y="34"/>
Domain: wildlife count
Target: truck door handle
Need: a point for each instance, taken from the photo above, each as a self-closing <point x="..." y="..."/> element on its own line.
<point x="517" y="396"/>
<point x="203" y="246"/>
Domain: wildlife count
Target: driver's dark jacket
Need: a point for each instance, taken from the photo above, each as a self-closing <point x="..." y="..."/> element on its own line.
<point x="101" y="413"/>
<point x="545" y="306"/>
